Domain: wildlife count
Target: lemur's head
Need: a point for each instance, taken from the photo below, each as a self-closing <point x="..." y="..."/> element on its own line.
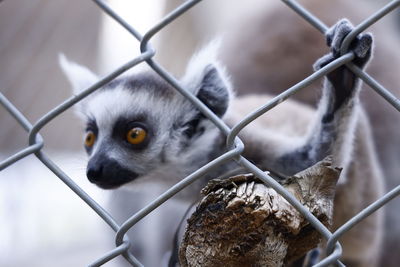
<point x="139" y="123"/>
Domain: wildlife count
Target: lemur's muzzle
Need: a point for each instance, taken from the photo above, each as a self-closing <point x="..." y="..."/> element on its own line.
<point x="108" y="173"/>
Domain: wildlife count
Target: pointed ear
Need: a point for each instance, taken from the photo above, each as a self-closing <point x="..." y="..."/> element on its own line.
<point x="207" y="79"/>
<point x="79" y="76"/>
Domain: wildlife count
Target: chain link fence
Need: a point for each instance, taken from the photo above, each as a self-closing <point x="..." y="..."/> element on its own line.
<point x="236" y="147"/>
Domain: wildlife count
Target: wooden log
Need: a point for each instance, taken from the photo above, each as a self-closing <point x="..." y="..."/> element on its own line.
<point x="242" y="222"/>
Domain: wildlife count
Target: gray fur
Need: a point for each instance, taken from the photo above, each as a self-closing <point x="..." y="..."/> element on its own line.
<point x="183" y="140"/>
<point x="338" y="107"/>
<point x="263" y="59"/>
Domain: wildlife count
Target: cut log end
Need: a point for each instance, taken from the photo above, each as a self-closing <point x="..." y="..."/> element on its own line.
<point x="242" y="222"/>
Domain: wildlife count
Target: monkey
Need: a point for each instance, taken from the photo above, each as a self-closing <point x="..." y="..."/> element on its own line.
<point x="140" y="130"/>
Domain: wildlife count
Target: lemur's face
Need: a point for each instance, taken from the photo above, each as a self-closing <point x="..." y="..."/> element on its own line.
<point x="138" y="124"/>
<point x="127" y="132"/>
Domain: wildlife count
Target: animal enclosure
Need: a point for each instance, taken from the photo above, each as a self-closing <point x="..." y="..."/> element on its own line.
<point x="36" y="142"/>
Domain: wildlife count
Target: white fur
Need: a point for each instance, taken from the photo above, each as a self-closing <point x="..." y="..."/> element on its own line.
<point x="79" y="76"/>
<point x="197" y="64"/>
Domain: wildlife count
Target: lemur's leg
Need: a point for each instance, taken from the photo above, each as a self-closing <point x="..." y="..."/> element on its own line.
<point x="333" y="130"/>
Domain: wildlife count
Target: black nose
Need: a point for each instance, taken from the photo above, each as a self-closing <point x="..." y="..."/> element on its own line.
<point x="108" y="173"/>
<point x="94" y="172"/>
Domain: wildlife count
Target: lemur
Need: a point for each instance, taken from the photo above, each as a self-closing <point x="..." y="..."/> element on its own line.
<point x="140" y="129"/>
<point x="275" y="46"/>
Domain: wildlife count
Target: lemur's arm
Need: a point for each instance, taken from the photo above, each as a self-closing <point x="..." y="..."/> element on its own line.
<point x="333" y="130"/>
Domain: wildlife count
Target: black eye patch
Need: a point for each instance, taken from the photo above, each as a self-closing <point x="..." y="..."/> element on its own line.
<point x="122" y="127"/>
<point x="91" y="126"/>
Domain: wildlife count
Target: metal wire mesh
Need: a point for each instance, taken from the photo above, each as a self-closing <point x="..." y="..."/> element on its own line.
<point x="235" y="145"/>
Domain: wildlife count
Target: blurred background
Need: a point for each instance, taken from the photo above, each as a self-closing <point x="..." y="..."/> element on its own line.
<point x="42" y="221"/>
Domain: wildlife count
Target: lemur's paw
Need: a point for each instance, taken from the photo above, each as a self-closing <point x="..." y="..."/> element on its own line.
<point x="360" y="46"/>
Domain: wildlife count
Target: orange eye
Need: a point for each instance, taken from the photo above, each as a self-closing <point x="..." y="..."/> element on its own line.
<point x="90" y="139"/>
<point x="136" y="135"/>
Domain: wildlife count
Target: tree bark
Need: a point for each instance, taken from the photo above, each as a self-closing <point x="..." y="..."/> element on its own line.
<point x="243" y="222"/>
